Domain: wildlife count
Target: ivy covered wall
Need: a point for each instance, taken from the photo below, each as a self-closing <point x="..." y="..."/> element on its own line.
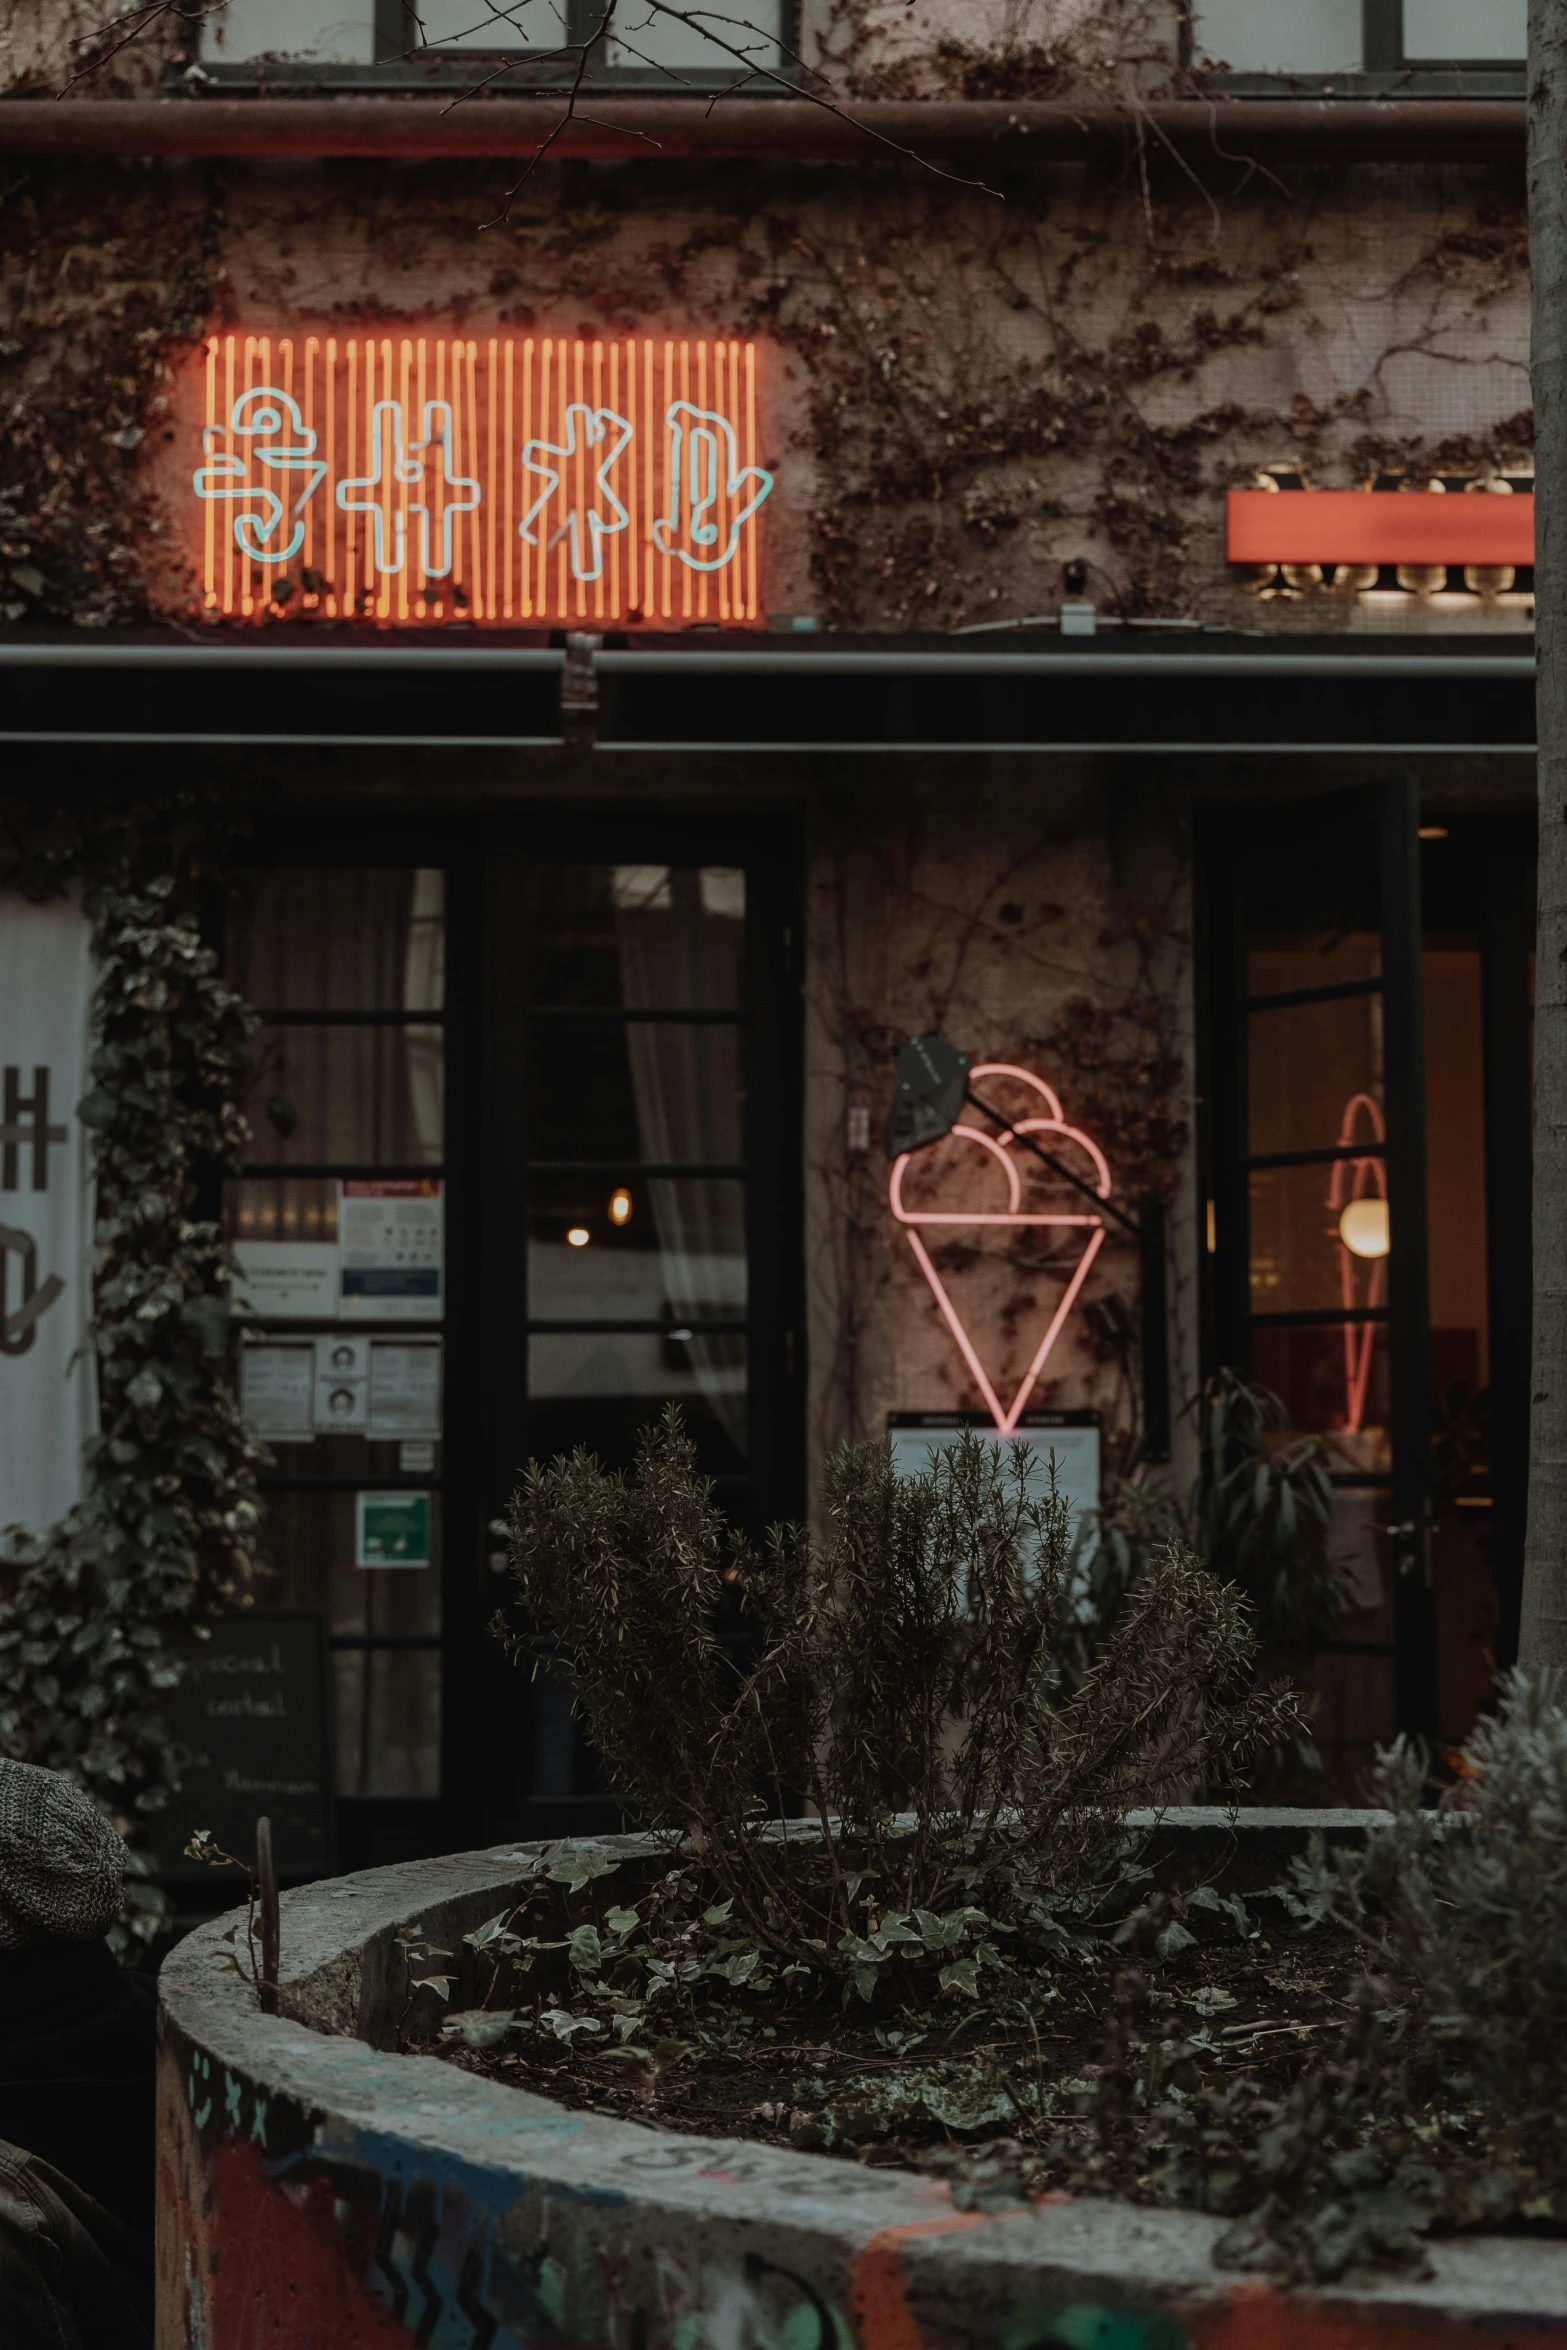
<point x="966" y="390"/>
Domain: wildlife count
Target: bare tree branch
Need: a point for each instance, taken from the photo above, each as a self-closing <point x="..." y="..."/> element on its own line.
<point x="699" y="21"/>
<point x="572" y="95"/>
<point x="706" y="23"/>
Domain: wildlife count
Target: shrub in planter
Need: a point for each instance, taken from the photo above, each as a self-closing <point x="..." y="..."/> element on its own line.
<point x="971" y="1708"/>
<point x="960" y="1958"/>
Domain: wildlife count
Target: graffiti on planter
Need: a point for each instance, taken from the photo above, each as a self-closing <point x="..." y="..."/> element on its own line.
<point x="282" y="2233"/>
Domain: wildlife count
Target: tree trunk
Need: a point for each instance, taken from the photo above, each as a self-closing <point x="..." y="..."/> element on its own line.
<point x="1543" y="1631"/>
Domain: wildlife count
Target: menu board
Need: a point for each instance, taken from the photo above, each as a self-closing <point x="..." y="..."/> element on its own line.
<point x="248" y="1725"/>
<point x="1069" y="1441"/>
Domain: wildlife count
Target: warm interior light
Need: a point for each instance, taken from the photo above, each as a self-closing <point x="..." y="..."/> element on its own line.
<point x="1363" y="1228"/>
<point x="1433" y="832"/>
<point x="578" y="1236"/>
<point x="620" y="1207"/>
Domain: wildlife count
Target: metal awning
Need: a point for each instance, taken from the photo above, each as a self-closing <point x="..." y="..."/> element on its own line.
<point x="225" y="695"/>
<point x="1210" y="694"/>
<point x="1204" y="694"/>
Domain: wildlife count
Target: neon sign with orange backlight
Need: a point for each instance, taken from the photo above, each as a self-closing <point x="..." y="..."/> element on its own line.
<point x="1013" y="1217"/>
<point x="501" y="478"/>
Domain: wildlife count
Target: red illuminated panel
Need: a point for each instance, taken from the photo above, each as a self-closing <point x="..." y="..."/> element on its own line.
<point x="1380" y="526"/>
<point x="398" y="478"/>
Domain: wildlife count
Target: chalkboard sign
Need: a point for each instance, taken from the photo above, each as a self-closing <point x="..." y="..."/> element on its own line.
<point x="249" y="1727"/>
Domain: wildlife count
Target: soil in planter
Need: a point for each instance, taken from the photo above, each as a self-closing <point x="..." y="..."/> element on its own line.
<point x="1073" y="2098"/>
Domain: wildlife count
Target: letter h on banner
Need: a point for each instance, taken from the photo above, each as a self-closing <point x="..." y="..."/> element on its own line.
<point x="36" y="1135"/>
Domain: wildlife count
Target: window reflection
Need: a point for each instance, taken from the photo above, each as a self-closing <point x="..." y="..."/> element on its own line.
<point x="339" y="939"/>
<point x="664" y="937"/>
<point x="659" y="1085"/>
<point x="387" y="1721"/>
<point x="355" y="1095"/>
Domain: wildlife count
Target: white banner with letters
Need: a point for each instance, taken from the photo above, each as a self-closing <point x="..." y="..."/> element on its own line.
<point x="48" y="1399"/>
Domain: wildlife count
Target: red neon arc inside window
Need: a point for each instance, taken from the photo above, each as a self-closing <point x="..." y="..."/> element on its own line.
<point x="398" y="478"/>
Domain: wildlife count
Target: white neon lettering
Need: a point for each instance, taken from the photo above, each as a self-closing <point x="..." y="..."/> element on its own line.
<point x="704" y="453"/>
<point x="600" y="429"/>
<point x="264" y="410"/>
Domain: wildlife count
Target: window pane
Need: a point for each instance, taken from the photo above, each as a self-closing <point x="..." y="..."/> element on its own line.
<point x="324" y="939"/>
<point x="636" y="1090"/>
<point x="1495" y="32"/>
<point x="679" y="1255"/>
<point x="388" y="1721"/>
<point x="292" y="1208"/>
<point x="477" y="24"/>
<point x="1455" y="1170"/>
<point x="1281" y="961"/>
<point x="648" y="37"/>
<point x="1357" y="1711"/>
<point x="1319" y="1237"/>
<point x="335" y="31"/>
<point x="1314" y="1074"/>
<point x="350" y="1095"/>
<point x="649" y="937"/>
<point x="308" y="1542"/>
<point x="285" y="1231"/>
<point x="1326" y="1374"/>
<point x="600" y="1388"/>
<point x="1279" y="36"/>
<point x="370" y="1461"/>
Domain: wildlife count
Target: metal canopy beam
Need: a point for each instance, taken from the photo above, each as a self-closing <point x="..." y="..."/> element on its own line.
<point x="226" y="695"/>
<point x="1227" y="697"/>
<point x="1243" y="696"/>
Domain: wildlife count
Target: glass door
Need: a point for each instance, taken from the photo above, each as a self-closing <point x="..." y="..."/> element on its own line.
<point x="339" y="1222"/>
<point x="1367" y="1145"/>
<point x="642" y="1185"/>
<point x="1316" y="1227"/>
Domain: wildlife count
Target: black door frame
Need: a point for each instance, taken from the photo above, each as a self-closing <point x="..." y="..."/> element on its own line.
<point x="1505" y="895"/>
<point x="1385" y="818"/>
<point x="487" y="1705"/>
<point x="523" y="1727"/>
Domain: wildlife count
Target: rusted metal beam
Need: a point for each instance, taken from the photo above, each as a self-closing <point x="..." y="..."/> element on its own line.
<point x="789" y="129"/>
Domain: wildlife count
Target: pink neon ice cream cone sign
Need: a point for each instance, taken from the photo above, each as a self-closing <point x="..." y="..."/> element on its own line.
<point x="992" y="1172"/>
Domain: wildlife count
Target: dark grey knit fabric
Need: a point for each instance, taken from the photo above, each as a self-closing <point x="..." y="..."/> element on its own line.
<point x="61" y="1864"/>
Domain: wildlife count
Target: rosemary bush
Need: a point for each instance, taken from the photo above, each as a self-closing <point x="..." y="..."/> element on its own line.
<point x="1464" y="1910"/>
<point x="962" y="1715"/>
<point x="1445" y="2105"/>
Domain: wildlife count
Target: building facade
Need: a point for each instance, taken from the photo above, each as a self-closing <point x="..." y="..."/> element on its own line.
<point x="693" y="553"/>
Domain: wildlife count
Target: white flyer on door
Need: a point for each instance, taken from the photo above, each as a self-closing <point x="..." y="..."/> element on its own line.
<point x="405" y="1387"/>
<point x="275" y="1381"/>
<point x="390" y="1244"/>
<point x="287" y="1280"/>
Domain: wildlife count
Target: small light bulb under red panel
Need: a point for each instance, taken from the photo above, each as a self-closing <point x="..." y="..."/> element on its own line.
<point x="401" y="479"/>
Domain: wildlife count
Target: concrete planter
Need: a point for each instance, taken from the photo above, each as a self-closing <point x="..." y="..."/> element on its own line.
<point x="318" y="2191"/>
